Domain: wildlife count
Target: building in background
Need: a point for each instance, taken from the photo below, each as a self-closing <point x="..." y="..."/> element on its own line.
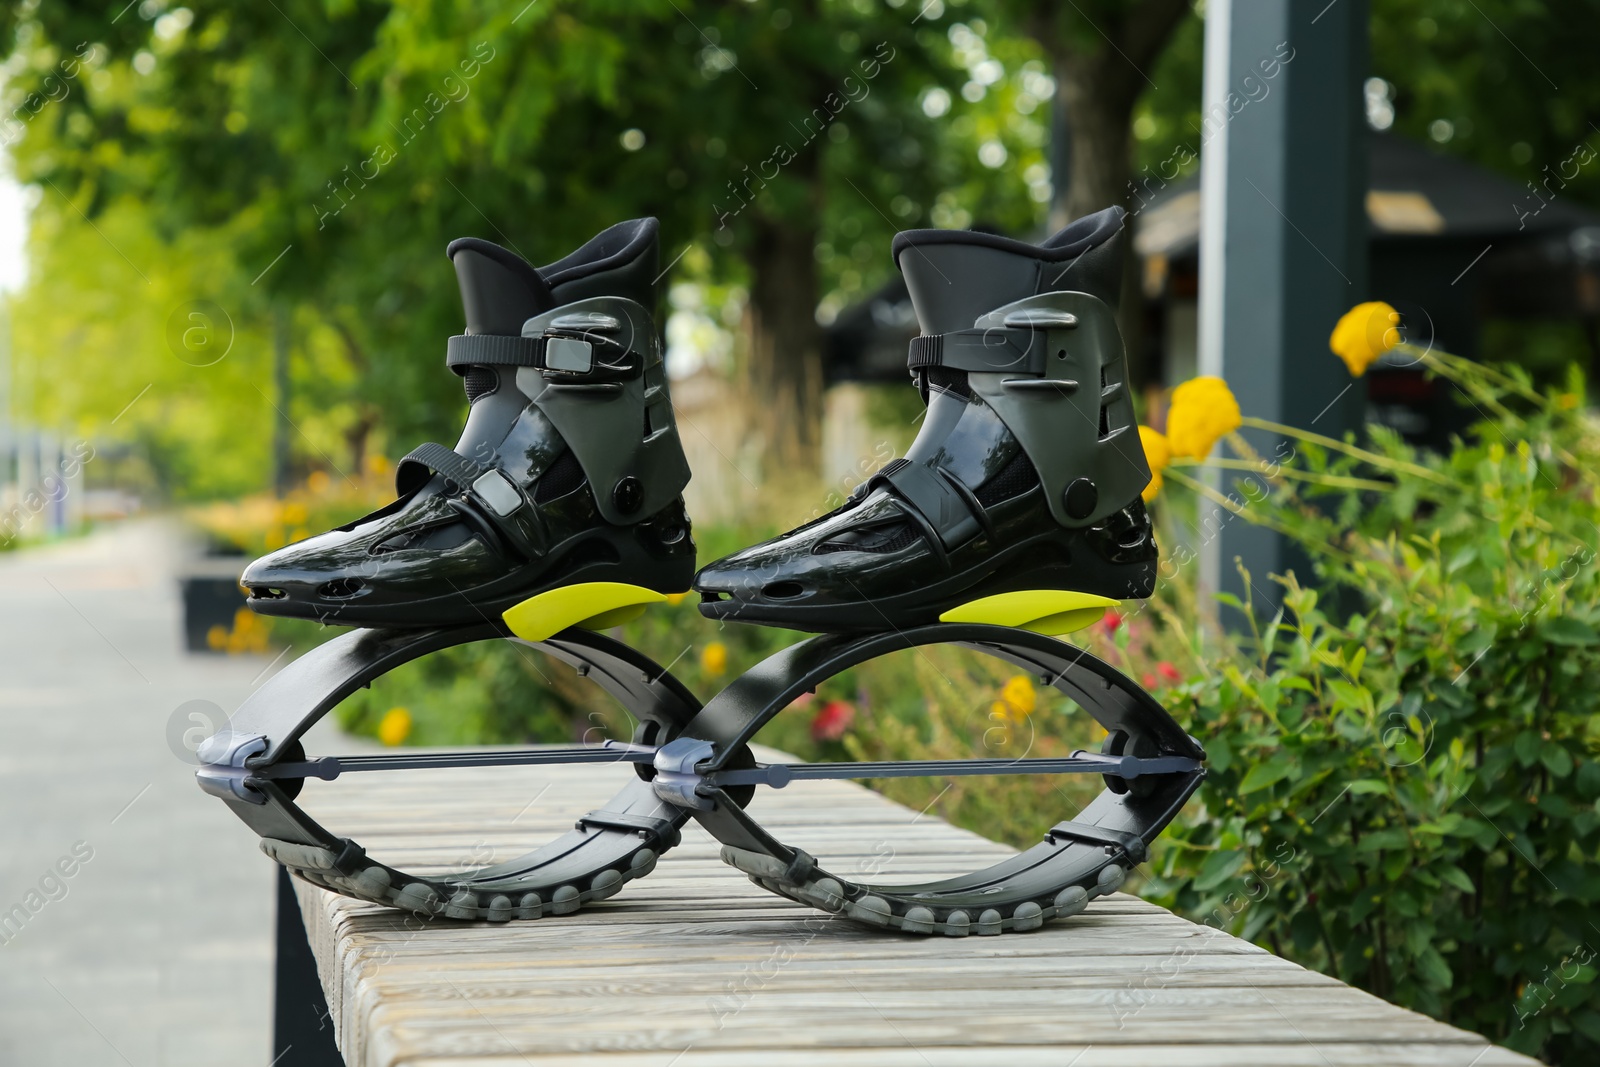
<point x="1452" y="246"/>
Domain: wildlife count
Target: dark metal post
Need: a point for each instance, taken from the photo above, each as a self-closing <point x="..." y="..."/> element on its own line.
<point x="1283" y="237"/>
<point x="302" y="1026"/>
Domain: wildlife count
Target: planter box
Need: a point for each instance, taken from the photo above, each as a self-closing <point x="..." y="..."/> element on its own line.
<point x="211" y="597"/>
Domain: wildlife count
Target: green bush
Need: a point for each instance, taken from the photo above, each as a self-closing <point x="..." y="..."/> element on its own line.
<point x="1407" y="795"/>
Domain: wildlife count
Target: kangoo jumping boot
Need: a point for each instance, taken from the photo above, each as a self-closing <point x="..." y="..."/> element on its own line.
<point x="1018" y="502"/>
<point x="569" y="472"/>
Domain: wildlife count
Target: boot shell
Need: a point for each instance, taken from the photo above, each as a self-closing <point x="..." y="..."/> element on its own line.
<point x="568" y="471"/>
<point x="1024" y="478"/>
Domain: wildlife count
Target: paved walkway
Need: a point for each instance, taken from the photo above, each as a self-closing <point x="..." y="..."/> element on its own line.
<point x="155" y="950"/>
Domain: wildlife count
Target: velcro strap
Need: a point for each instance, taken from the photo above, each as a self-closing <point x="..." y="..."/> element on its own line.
<point x="435" y="459"/>
<point x="999" y="350"/>
<point x="589" y="358"/>
<point x="491" y="350"/>
<point x="925" y="351"/>
<point x="495" y="503"/>
<point x="930" y="494"/>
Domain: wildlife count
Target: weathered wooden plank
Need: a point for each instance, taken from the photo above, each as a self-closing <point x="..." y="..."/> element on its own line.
<point x="1065" y="1055"/>
<point x="696" y="966"/>
<point x="552" y="1019"/>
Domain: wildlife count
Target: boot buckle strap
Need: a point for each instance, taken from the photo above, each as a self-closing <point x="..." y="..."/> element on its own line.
<point x="568" y="355"/>
<point x="562" y="357"/>
<point x="945" y="509"/>
<point x="997" y="350"/>
<point x="567" y="360"/>
<point x="488" y="491"/>
<point x="432" y="458"/>
<point x="488" y="350"/>
<point x="496" y="490"/>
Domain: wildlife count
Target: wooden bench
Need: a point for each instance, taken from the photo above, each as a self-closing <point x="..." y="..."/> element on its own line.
<point x="696" y="966"/>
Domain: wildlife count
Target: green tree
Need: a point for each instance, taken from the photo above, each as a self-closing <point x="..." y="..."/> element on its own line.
<point x="307" y="130"/>
<point x="1103" y="55"/>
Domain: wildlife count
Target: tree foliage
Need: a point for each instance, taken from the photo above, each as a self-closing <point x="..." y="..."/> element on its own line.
<point x="1407" y="795"/>
<point x="334" y="148"/>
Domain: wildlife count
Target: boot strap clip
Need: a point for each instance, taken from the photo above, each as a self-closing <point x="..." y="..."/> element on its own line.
<point x="938" y="501"/>
<point x="589" y="358"/>
<point x="998" y="350"/>
<point x="492" y="494"/>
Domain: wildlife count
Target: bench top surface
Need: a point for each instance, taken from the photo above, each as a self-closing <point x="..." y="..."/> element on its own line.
<point x="696" y="966"/>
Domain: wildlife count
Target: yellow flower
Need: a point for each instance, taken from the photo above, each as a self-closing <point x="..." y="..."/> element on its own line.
<point x="293" y="513"/>
<point x="714" y="658"/>
<point x="1364" y="333"/>
<point x="1018" y="691"/>
<point x="1019" y="694"/>
<point x="378" y="464"/>
<point x="1566" y="401"/>
<point x="1157" y="453"/>
<point x="1203" y="410"/>
<point x="318" y="482"/>
<point x="250" y="633"/>
<point x="395" y="726"/>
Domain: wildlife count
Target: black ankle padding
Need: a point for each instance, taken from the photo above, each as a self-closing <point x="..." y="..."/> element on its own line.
<point x="623" y="260"/>
<point x="954" y="276"/>
<point x="480" y="382"/>
<point x="499" y="290"/>
<point x="949" y="380"/>
<point x="611" y="247"/>
<point x="1097" y="271"/>
<point x="1080" y="235"/>
<point x="1066" y="244"/>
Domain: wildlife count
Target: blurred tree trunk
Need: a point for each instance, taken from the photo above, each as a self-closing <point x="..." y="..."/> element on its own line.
<point x="357" y="439"/>
<point x="785" y="368"/>
<point x="282" y="338"/>
<point x="1101" y="55"/>
<point x="369" y="417"/>
<point x="785" y="340"/>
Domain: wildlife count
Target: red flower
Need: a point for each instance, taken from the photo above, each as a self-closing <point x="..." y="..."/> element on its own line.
<point x="1111" y="620"/>
<point x="831" y="723"/>
<point x="1169" y="672"/>
<point x="1149" y="681"/>
<point x="803" y="699"/>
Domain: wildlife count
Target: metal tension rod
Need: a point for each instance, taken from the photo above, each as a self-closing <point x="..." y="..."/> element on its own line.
<point x="330" y="767"/>
<point x="778" y="775"/>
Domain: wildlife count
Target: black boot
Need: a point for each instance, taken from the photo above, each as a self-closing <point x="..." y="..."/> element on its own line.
<point x="1018" y="502"/>
<point x="569" y="471"/>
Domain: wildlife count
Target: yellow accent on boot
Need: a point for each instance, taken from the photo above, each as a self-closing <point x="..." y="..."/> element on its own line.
<point x="1051" y="612"/>
<point x="592" y="605"/>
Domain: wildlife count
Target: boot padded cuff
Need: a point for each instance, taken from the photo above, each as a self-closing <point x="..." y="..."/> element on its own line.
<point x="1070" y="242"/>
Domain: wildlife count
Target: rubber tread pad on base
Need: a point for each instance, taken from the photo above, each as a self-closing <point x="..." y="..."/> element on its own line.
<point x="1054" y="879"/>
<point x="615" y="845"/>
